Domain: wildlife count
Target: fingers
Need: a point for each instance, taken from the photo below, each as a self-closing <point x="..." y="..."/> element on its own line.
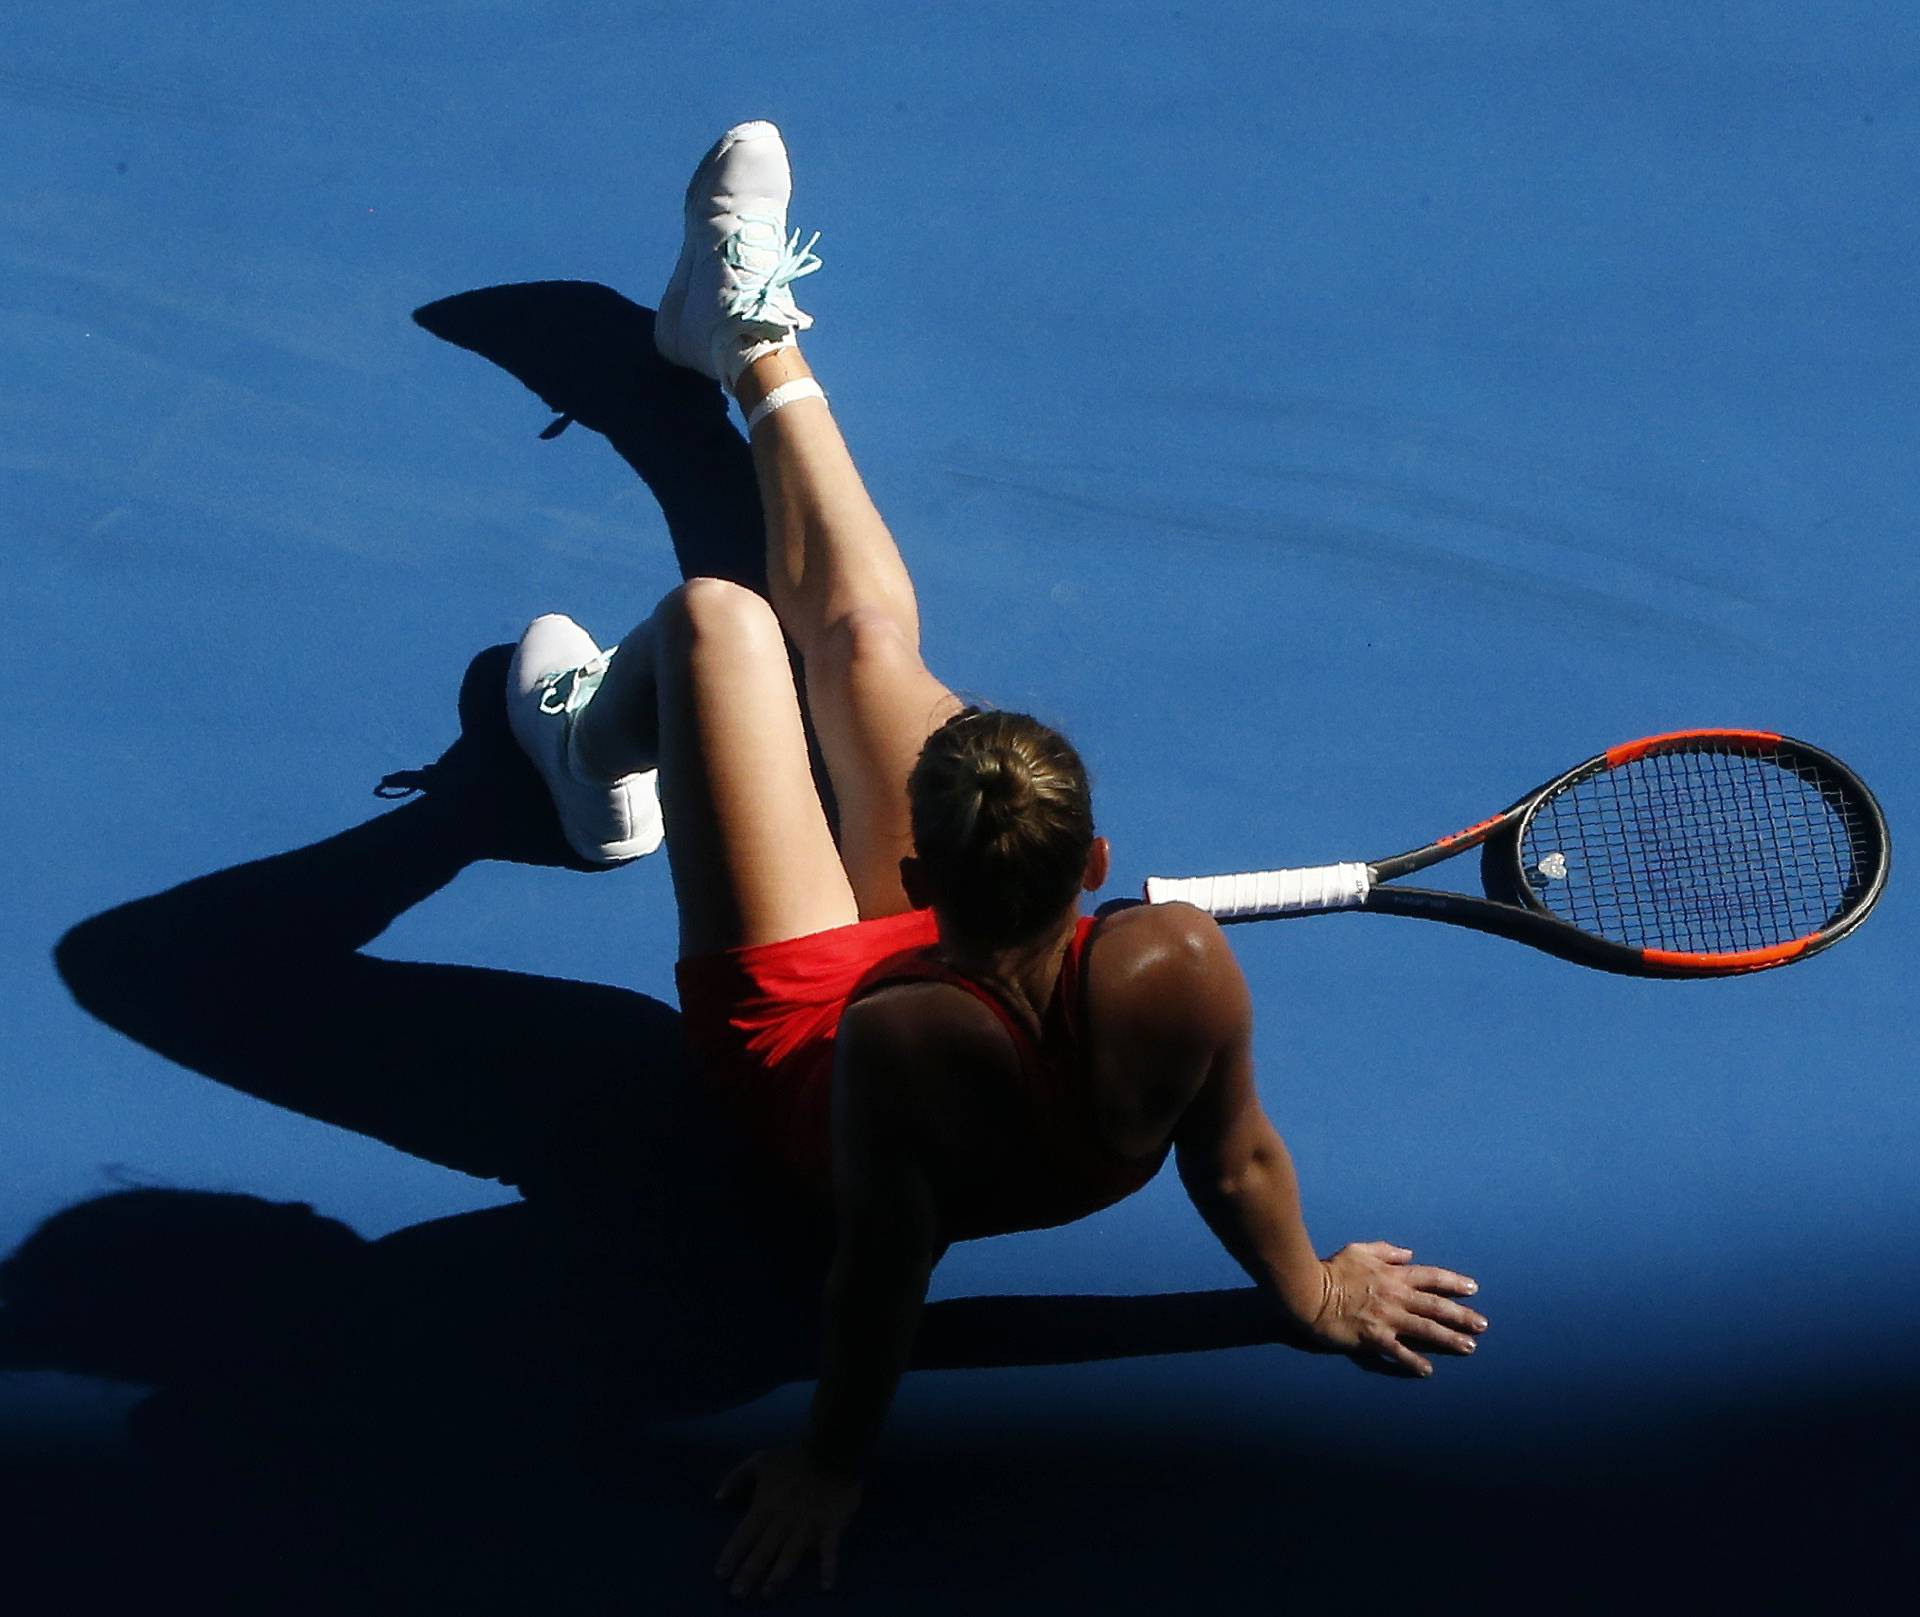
<point x="1399" y="1334"/>
<point x="752" y="1567"/>
<point x="1425" y="1275"/>
<point x="769" y="1563"/>
<point x="1428" y="1278"/>
<point x="1436" y="1338"/>
<point x="1448" y="1325"/>
<point x="1401" y="1309"/>
<point x="1401" y="1359"/>
<point x="1394" y="1342"/>
<point x="739" y="1546"/>
<point x="763" y="1554"/>
<point x="759" y="1556"/>
<point x="783" y="1568"/>
<point x="1381" y="1349"/>
<point x="1456" y="1325"/>
<point x="792" y="1513"/>
<point x="743" y="1545"/>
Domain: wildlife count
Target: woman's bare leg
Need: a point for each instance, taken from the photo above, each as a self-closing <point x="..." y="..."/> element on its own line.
<point x="843" y="595"/>
<point x="704" y="692"/>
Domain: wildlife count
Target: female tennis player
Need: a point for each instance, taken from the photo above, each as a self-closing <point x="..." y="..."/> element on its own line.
<point x="917" y="1022"/>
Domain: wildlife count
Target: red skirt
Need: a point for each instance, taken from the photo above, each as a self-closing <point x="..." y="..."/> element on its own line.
<point x="760" y="1023"/>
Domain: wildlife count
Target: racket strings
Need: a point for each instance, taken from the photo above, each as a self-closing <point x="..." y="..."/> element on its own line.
<point x="1704" y="850"/>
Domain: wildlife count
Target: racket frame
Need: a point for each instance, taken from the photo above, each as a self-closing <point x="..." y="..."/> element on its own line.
<point x="1519" y="913"/>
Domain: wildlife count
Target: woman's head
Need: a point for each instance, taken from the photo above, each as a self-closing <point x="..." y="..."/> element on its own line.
<point x="1002" y="825"/>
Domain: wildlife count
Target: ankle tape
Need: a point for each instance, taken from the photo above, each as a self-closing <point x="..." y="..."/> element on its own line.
<point x="734" y="350"/>
<point x="804" y="388"/>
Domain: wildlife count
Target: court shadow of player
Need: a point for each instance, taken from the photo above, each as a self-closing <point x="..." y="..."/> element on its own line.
<point x="344" y="1425"/>
<point x="397" y="1425"/>
<point x="482" y="1412"/>
<point x="647" y="1275"/>
<point x="463" y="1406"/>
<point x="588" y="353"/>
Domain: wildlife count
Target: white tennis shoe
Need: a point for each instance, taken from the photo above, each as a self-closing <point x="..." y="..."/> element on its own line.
<point x="731" y="296"/>
<point x="554" y="673"/>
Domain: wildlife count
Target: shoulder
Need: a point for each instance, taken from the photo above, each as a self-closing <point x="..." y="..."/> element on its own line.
<point x="1166" y="1005"/>
<point x="1168" y="972"/>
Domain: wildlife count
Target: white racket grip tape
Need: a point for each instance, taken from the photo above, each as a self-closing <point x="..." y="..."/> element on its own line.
<point x="1266" y="892"/>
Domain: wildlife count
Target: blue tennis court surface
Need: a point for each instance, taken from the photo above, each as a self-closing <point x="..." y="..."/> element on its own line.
<point x="1338" y="419"/>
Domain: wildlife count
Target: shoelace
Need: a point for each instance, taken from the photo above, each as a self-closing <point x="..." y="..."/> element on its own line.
<point x="580" y="685"/>
<point x="791" y="262"/>
<point x="405" y="782"/>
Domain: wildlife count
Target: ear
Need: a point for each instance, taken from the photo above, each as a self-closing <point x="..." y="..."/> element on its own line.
<point x="913" y="880"/>
<point x="1099" y="865"/>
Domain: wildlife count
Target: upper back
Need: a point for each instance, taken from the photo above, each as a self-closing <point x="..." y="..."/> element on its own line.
<point x="1036" y="1126"/>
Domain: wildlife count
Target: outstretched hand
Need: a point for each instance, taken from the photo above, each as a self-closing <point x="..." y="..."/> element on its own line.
<point x="793" y="1511"/>
<point x="1381" y="1308"/>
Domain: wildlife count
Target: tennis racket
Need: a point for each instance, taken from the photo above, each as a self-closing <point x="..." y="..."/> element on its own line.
<point x="1700" y="853"/>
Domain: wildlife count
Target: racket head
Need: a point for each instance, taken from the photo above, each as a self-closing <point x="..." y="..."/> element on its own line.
<point x="1699" y="852"/>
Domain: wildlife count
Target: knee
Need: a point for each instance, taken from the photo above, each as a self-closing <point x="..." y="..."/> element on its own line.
<point x="865" y="642"/>
<point x="706" y="614"/>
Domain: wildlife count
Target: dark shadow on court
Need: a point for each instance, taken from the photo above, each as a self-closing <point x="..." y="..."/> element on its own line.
<point x="311" y="1385"/>
<point x="498" y="1411"/>
<point x="588" y="353"/>
<point x="480" y="1414"/>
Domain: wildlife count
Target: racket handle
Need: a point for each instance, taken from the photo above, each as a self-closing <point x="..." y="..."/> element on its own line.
<point x="1266" y="892"/>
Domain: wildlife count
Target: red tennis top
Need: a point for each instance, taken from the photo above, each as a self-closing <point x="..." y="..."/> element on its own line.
<point x="760" y="1025"/>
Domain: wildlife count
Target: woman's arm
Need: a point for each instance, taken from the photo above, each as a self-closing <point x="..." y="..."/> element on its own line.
<point x="1240" y="1178"/>
<point x="886" y="1244"/>
<point x="887" y="1232"/>
<point x="1236" y="1169"/>
<point x="1368" y="1300"/>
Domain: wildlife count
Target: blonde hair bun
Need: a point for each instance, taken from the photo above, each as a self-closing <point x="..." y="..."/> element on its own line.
<point x="1002" y="823"/>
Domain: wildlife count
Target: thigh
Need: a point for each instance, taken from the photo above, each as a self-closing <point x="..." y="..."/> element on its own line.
<point x="874" y="703"/>
<point x="753" y="859"/>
